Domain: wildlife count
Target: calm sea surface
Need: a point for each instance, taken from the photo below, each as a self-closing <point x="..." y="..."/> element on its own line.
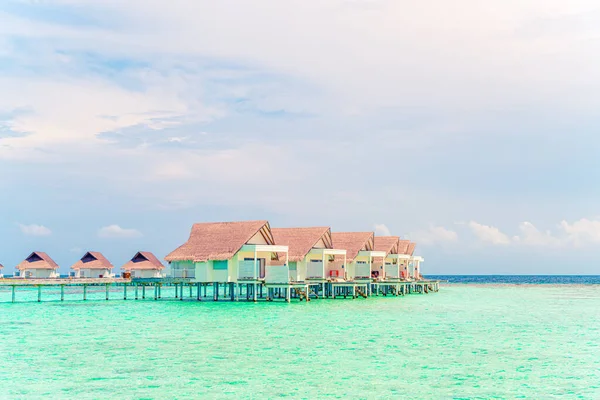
<point x="496" y="338"/>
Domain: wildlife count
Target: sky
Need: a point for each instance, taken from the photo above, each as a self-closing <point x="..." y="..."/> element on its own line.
<point x="469" y="127"/>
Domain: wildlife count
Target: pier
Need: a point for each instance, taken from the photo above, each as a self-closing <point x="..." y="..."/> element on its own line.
<point x="186" y="289"/>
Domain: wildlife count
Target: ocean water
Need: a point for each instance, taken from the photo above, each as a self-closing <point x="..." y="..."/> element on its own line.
<point x="474" y="340"/>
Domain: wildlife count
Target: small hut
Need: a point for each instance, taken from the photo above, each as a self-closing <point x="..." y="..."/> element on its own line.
<point x="38" y="265"/>
<point x="310" y="252"/>
<point x="93" y="264"/>
<point x="388" y="266"/>
<point x="360" y="253"/>
<point x="221" y="252"/>
<point x="144" y="265"/>
<point x="1" y="267"/>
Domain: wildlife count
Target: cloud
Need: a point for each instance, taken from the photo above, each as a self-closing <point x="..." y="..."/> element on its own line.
<point x="434" y="235"/>
<point x="489" y="234"/>
<point x="382" y="230"/>
<point x="582" y="232"/>
<point x="35" y="230"/>
<point x="115" y="231"/>
<point x="532" y="236"/>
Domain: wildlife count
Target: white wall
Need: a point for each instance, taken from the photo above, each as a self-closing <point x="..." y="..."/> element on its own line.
<point x="93" y="273"/>
<point x="146" y="273"/>
<point x="40" y="273"/>
<point x="277" y="274"/>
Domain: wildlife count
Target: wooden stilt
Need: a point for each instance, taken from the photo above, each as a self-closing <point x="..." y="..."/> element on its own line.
<point x="176" y="293"/>
<point x="156" y="292"/>
<point x="84" y="292"/>
<point x="13" y="293"/>
<point x="254" y="292"/>
<point x="39" y="293"/>
<point x="136" y="291"/>
<point x="216" y="291"/>
<point x="124" y="291"/>
<point x="106" y="291"/>
<point x="198" y="287"/>
<point x="62" y="292"/>
<point x="143" y="291"/>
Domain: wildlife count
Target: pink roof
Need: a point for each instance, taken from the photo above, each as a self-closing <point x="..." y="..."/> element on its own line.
<point x="352" y="242"/>
<point x="301" y="240"/>
<point x="403" y="246"/>
<point x="143" y="260"/>
<point x="389" y="244"/>
<point x="411" y="249"/>
<point x="37" y="260"/>
<point x="93" y="260"/>
<point x="219" y="240"/>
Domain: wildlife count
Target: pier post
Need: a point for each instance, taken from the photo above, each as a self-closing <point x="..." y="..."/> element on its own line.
<point x="216" y="291"/>
<point x="160" y="290"/>
<point x="254" y="290"/>
<point x="39" y="293"/>
<point x="288" y="294"/>
<point x="13" y="293"/>
<point x="181" y="292"/>
<point x="176" y="294"/>
<point x="136" y="291"/>
<point x="156" y="291"/>
<point x="143" y="291"/>
<point x="62" y="292"/>
<point x="84" y="292"/>
<point x="198" y="292"/>
<point x="232" y="291"/>
<point x="125" y="291"/>
<point x="353" y="292"/>
<point x="106" y="291"/>
<point x="190" y="291"/>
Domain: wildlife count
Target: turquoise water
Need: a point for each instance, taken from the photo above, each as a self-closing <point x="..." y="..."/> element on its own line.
<point x="467" y="341"/>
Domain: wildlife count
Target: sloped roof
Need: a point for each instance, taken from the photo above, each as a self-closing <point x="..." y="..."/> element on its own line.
<point x="403" y="246"/>
<point x="411" y="248"/>
<point x="37" y="260"/>
<point x="93" y="260"/>
<point x="352" y="242"/>
<point x="143" y="260"/>
<point x="219" y="240"/>
<point x="389" y="244"/>
<point x="1" y="266"/>
<point x="301" y="240"/>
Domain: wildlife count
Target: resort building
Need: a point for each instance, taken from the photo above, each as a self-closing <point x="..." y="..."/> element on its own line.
<point x="388" y="267"/>
<point x="1" y="268"/>
<point x="310" y="252"/>
<point x="404" y="257"/>
<point x="38" y="265"/>
<point x="414" y="263"/>
<point x="144" y="265"/>
<point x="225" y="252"/>
<point x="93" y="265"/>
<point x="360" y="252"/>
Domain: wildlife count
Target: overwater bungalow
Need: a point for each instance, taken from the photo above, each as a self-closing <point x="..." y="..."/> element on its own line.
<point x="93" y="264"/>
<point x="310" y="253"/>
<point x="1" y="268"/>
<point x="144" y="265"/>
<point x="230" y="252"/>
<point x="387" y="267"/>
<point x="360" y="252"/>
<point x="414" y="263"/>
<point x="404" y="257"/>
<point x="38" y="265"/>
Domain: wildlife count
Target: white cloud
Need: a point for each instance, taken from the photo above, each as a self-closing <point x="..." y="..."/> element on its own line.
<point x="382" y="230"/>
<point x="532" y="236"/>
<point x="35" y="230"/>
<point x="434" y="235"/>
<point x="582" y="232"/>
<point x="115" y="231"/>
<point x="489" y="234"/>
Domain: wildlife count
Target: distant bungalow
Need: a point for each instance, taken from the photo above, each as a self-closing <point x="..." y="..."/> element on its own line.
<point x="310" y="252"/>
<point x="144" y="265"/>
<point x="360" y="253"/>
<point x="387" y="267"/>
<point x="1" y="267"/>
<point x="38" y="265"/>
<point x="93" y="265"/>
<point x="227" y="252"/>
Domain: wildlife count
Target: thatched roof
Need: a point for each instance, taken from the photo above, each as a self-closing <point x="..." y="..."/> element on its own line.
<point x="143" y="260"/>
<point x="93" y="260"/>
<point x="352" y="242"/>
<point x="301" y="240"/>
<point x="411" y="248"/>
<point x="403" y="246"/>
<point x="219" y="240"/>
<point x="37" y="260"/>
<point x="389" y="244"/>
